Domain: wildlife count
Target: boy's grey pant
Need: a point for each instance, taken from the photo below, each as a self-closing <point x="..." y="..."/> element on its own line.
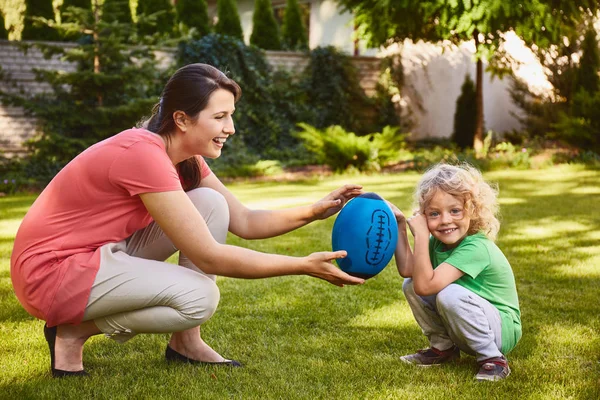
<point x="457" y="316"/>
<point x="135" y="291"/>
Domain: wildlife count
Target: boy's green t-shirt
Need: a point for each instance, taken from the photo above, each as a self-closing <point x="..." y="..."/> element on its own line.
<point x="487" y="274"/>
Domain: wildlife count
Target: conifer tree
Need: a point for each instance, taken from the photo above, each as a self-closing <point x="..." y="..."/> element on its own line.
<point x="229" y="19"/>
<point x="32" y="30"/>
<point x="293" y="31"/>
<point x="464" y="116"/>
<point x="116" y="10"/>
<point x="587" y="77"/>
<point x="163" y="20"/>
<point x="67" y="15"/>
<point x="85" y="4"/>
<point x="265" y="32"/>
<point x="3" y="31"/>
<point x="194" y="14"/>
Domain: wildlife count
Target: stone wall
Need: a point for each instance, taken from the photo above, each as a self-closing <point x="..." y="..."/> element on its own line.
<point x="16" y="127"/>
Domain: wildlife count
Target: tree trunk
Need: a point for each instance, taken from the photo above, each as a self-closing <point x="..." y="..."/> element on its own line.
<point x="97" y="66"/>
<point x="478" y="139"/>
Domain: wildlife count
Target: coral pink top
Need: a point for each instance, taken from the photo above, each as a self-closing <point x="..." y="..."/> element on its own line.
<point x="92" y="201"/>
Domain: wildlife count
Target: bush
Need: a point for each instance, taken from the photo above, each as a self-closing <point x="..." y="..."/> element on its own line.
<point x="293" y="31"/>
<point x="265" y="32"/>
<point x="342" y="150"/>
<point x="229" y="20"/>
<point x="193" y="14"/>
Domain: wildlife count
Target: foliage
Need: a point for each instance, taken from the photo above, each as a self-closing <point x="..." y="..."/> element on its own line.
<point x="588" y="77"/>
<point x="155" y="16"/>
<point x="229" y="19"/>
<point x="34" y="29"/>
<point x="342" y="150"/>
<point x="293" y="32"/>
<point x="271" y="103"/>
<point x="193" y="14"/>
<point x="112" y="88"/>
<point x="539" y="22"/>
<point x="265" y="32"/>
<point x="582" y="126"/>
<point x="332" y="86"/>
<point x="85" y="4"/>
<point x="117" y="11"/>
<point x="3" y="31"/>
<point x="464" y="116"/>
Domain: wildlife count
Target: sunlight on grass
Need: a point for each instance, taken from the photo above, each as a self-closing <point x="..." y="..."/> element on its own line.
<point x="9" y="227"/>
<point x="275" y="203"/>
<point x="390" y="316"/>
<point x="510" y="200"/>
<point x="548" y="228"/>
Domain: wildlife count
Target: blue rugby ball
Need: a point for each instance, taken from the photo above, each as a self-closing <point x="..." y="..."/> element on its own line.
<point x="367" y="229"/>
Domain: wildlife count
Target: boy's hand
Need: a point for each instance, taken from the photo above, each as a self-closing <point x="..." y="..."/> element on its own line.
<point x="418" y="225"/>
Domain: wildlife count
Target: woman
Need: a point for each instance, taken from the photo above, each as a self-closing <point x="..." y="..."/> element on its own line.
<point x="89" y="255"/>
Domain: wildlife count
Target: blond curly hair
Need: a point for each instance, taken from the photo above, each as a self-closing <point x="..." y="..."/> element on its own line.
<point x="465" y="182"/>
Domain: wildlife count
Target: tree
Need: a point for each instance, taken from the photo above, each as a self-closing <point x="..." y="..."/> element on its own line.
<point x="34" y="29"/>
<point x="117" y="10"/>
<point x="292" y="30"/>
<point x="193" y="14"/>
<point x="85" y="4"/>
<point x="112" y="88"/>
<point x="229" y="19"/>
<point x="539" y="22"/>
<point x="587" y="77"/>
<point x="265" y="32"/>
<point x="464" y="116"/>
<point x="155" y="16"/>
<point x="3" y="31"/>
<point x="68" y="14"/>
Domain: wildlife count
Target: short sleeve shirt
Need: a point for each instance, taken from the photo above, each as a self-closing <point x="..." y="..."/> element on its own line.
<point x="488" y="274"/>
<point x="92" y="201"/>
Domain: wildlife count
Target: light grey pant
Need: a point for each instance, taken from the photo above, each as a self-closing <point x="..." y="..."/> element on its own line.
<point x="457" y="316"/>
<point x="135" y="291"/>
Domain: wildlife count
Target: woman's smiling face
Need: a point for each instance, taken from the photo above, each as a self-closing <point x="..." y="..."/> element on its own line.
<point x="446" y="218"/>
<point x="214" y="125"/>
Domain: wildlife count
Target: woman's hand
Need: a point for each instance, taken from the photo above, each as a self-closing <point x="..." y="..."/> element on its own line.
<point x="319" y="265"/>
<point x="334" y="201"/>
<point x="418" y="225"/>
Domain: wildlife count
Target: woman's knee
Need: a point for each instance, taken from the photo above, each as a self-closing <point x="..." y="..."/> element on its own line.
<point x="200" y="303"/>
<point x="201" y="197"/>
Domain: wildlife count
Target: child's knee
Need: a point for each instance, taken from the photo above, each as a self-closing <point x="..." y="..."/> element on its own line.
<point x="449" y="300"/>
<point x="407" y="287"/>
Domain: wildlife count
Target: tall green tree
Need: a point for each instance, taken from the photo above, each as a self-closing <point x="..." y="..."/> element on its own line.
<point x="229" y="19"/>
<point x="85" y="4"/>
<point x="293" y="32"/>
<point x="587" y="77"/>
<point x="539" y="22"/>
<point x="3" y="31"/>
<point x="265" y="32"/>
<point x="68" y="15"/>
<point x="155" y="16"/>
<point x="193" y="14"/>
<point x="464" y="116"/>
<point x="112" y="88"/>
<point x="33" y="29"/>
<point x="117" y="11"/>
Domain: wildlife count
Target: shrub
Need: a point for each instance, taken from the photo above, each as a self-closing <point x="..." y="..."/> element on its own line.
<point x="464" y="116"/>
<point x="265" y="32"/>
<point x="341" y="150"/>
<point x="332" y="85"/>
<point x="293" y="32"/>
<point x="587" y="77"/>
<point x="155" y="16"/>
<point x="193" y="14"/>
<point x="36" y="30"/>
<point x="229" y="19"/>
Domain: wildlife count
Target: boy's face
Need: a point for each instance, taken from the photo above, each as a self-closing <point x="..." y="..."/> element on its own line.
<point x="446" y="219"/>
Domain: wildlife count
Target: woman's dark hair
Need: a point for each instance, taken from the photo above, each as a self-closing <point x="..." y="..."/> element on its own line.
<point x="188" y="90"/>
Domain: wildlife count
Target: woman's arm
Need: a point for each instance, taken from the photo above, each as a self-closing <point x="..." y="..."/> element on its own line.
<point x="260" y="224"/>
<point x="182" y="223"/>
<point x="426" y="280"/>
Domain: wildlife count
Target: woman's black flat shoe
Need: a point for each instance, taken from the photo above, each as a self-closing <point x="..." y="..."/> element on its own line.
<point x="172" y="355"/>
<point x="50" y="334"/>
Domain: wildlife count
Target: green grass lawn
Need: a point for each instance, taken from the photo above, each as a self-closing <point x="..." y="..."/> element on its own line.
<point x="301" y="338"/>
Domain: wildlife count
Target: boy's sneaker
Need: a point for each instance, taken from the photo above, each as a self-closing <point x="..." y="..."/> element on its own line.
<point x="432" y="356"/>
<point x="494" y="369"/>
